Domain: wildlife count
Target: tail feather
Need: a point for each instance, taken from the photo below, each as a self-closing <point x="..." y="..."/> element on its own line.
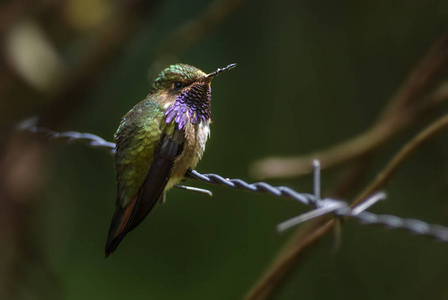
<point x="117" y="230"/>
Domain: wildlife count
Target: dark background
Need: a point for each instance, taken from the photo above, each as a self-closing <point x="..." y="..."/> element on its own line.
<point x="309" y="75"/>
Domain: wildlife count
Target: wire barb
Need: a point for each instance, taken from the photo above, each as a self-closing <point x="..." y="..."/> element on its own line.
<point x="316" y="183"/>
<point x="322" y="206"/>
<point x="328" y="205"/>
<point x="194" y="190"/>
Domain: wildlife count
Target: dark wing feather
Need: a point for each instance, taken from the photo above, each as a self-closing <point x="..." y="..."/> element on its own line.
<point x="158" y="177"/>
<point x="149" y="193"/>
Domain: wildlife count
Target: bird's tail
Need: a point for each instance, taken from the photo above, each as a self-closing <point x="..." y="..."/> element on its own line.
<point x="119" y="226"/>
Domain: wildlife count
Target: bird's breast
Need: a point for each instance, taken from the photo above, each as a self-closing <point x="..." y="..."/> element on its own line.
<point x="196" y="136"/>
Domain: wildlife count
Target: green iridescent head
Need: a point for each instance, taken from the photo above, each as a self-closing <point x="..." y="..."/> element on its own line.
<point x="183" y="75"/>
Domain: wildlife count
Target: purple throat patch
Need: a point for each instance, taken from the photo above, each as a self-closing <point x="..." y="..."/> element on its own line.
<point x="193" y="104"/>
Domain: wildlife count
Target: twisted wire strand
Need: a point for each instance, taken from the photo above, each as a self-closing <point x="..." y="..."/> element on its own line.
<point x="94" y="141"/>
<point x="415" y="226"/>
<point x="321" y="206"/>
<point x="262" y="187"/>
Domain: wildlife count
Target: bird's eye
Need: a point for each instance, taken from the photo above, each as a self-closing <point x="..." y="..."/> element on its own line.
<point x="178" y="85"/>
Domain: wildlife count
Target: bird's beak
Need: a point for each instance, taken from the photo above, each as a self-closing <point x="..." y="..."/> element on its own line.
<point x="208" y="77"/>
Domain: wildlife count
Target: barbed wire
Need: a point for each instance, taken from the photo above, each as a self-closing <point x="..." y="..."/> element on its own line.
<point x="94" y="141"/>
<point x="321" y="207"/>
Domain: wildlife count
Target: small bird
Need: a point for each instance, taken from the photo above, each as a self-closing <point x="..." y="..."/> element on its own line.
<point x="157" y="141"/>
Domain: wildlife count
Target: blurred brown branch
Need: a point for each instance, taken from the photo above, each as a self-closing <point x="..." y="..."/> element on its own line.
<point x="311" y="233"/>
<point x="402" y="110"/>
<point x="384" y="176"/>
<point x="410" y="102"/>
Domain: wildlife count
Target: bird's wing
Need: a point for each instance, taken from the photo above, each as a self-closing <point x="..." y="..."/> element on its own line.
<point x="145" y="154"/>
<point x="158" y="176"/>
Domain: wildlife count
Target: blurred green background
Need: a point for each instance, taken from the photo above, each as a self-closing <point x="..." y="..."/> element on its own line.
<point x="309" y="75"/>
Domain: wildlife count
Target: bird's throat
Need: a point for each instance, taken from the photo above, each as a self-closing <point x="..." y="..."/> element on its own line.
<point x="192" y="105"/>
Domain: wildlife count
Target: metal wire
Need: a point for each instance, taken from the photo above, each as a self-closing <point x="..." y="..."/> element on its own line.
<point x="94" y="141"/>
<point x="320" y="206"/>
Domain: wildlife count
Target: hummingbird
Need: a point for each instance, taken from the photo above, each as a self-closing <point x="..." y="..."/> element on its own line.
<point x="157" y="141"/>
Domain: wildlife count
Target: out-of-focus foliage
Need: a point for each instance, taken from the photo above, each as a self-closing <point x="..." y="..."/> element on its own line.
<point x="309" y="74"/>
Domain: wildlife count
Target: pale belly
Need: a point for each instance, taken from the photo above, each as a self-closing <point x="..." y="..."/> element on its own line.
<point x="196" y="138"/>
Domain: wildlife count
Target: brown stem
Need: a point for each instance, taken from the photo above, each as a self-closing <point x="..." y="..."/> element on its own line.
<point x="384" y="176"/>
<point x="295" y="166"/>
<point x="316" y="230"/>
<point x="367" y="141"/>
<point x="288" y="258"/>
<point x="411" y="96"/>
<point x="421" y="78"/>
